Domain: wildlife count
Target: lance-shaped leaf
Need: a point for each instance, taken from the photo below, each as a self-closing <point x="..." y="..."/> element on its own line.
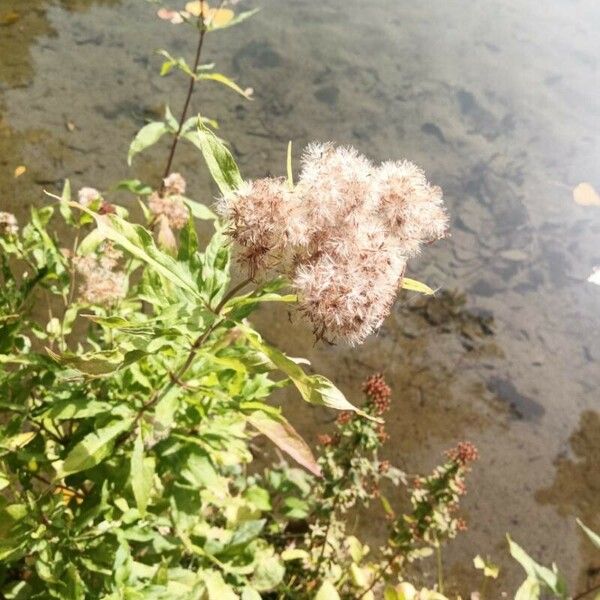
<point x="220" y="78"/>
<point x="142" y="474"/>
<point x="146" y="137"/>
<point x="97" y="364"/>
<point x="139" y="242"/>
<point x="416" y="286"/>
<point x="219" y="160"/>
<point x="315" y="389"/>
<point x="594" y="537"/>
<point x="93" y="448"/>
<point x="285" y="437"/>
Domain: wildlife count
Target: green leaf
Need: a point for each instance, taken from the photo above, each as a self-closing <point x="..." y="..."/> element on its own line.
<point x="290" y="172"/>
<point x="268" y="573"/>
<point x="549" y="578"/>
<point x="198" y="210"/>
<point x="529" y="590"/>
<point x="139" y="242"/>
<point x="594" y="537"/>
<point x="315" y="389"/>
<point x="142" y="474"/>
<point x="146" y="137"/>
<point x="219" y="160"/>
<point x="285" y="437"/>
<point x="65" y="199"/>
<point x="416" y="286"/>
<point x="97" y="364"/>
<point x="135" y="186"/>
<point x="327" y="591"/>
<point x="217" y="588"/>
<point x="220" y="78"/>
<point x="489" y="569"/>
<point x="93" y="448"/>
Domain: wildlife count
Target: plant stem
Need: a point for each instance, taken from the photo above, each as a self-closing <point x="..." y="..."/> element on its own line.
<point x="186" y="105"/>
<point x="440" y="567"/>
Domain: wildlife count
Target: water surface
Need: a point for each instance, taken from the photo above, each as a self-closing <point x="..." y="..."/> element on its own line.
<point x="498" y="100"/>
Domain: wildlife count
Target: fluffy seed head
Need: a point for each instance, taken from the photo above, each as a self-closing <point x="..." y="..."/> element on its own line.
<point x="342" y="236"/>
<point x="409" y="205"/>
<point x="258" y="215"/>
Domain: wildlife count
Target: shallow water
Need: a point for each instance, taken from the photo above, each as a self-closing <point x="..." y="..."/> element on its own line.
<point x="497" y="100"/>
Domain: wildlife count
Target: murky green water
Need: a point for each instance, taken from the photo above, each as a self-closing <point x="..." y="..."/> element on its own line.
<point x="498" y="100"/>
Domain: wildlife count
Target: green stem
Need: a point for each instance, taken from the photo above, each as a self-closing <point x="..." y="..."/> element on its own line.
<point x="440" y="567"/>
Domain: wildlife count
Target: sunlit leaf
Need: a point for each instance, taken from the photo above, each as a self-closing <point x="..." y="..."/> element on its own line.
<point x="550" y="578"/>
<point x="94" y="448"/>
<point x="146" y="137"/>
<point x="290" y="173"/>
<point x="592" y="535"/>
<point x="585" y="195"/>
<point x="139" y="243"/>
<point x="20" y="170"/>
<point x="416" y="286"/>
<point x="219" y="160"/>
<point x="220" y="78"/>
<point x="314" y="389"/>
<point x="327" y="591"/>
<point x="142" y="474"/>
<point x="489" y="569"/>
<point x="285" y="437"/>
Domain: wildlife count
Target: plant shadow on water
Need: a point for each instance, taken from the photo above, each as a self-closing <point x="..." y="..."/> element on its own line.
<point x="512" y="364"/>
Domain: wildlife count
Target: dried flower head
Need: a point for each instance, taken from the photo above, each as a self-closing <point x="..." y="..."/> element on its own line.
<point x="174" y="185"/>
<point x="171" y="207"/>
<point x="342" y="236"/>
<point x="87" y="195"/>
<point x="258" y="216"/>
<point x="409" y="205"/>
<point x="8" y="224"/>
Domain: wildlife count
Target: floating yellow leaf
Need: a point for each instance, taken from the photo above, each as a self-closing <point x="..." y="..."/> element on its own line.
<point x="219" y="17"/>
<point x="9" y="18"/>
<point x="416" y="286"/>
<point x="20" y="170"/>
<point x="214" y="17"/>
<point x="585" y="195"/>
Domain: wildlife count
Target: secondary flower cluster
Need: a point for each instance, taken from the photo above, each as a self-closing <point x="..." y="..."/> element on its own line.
<point x="8" y="224"/>
<point x="342" y="235"/>
<point x="102" y="283"/>
<point x="167" y="205"/>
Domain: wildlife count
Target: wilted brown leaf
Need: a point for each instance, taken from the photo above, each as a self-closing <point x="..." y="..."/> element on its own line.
<point x="283" y="435"/>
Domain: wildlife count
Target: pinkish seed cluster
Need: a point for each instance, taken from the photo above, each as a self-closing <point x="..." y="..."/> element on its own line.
<point x="464" y="453"/>
<point x="378" y="392"/>
<point x="342" y="236"/>
<point x="167" y="206"/>
<point x="102" y="283"/>
<point x="8" y="224"/>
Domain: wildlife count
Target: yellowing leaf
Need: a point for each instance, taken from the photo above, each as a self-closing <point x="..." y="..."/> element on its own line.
<point x="283" y="435"/>
<point x="416" y="286"/>
<point x="327" y="592"/>
<point x="218" y="17"/>
<point x="20" y="170"/>
<point x="195" y="8"/>
<point x="585" y="195"/>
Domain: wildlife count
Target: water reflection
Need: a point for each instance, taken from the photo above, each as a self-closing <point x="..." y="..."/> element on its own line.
<point x="576" y="486"/>
<point x="497" y="100"/>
